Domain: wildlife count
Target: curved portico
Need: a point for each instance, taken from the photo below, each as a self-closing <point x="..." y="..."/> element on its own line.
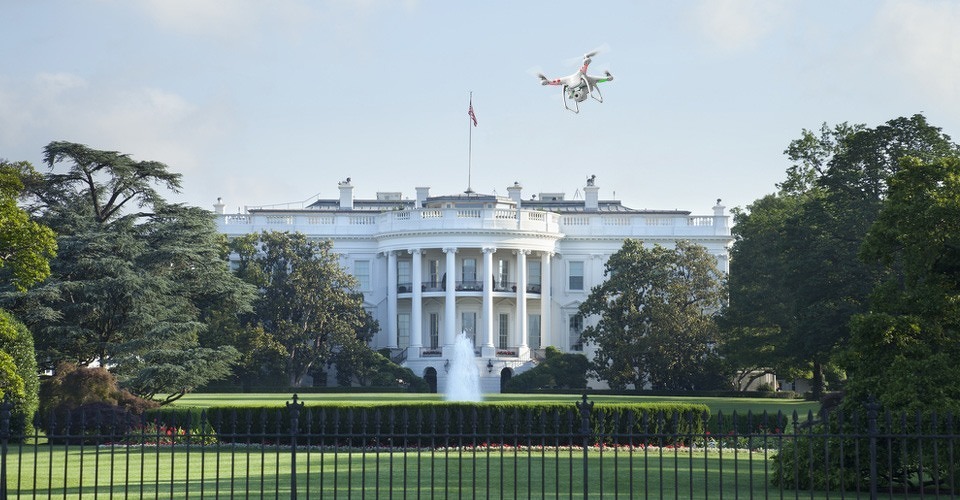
<point x="485" y="288"/>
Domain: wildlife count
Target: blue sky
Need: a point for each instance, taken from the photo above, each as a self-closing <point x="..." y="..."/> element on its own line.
<point x="272" y="102"/>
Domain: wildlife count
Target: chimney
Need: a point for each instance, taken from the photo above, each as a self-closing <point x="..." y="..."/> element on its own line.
<point x="591" y="199"/>
<point x="346" y="195"/>
<point x="719" y="219"/>
<point x="218" y="206"/>
<point x="514" y="191"/>
<point x="422" y="194"/>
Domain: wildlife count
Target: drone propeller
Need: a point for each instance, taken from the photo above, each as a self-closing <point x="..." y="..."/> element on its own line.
<point x="600" y="49"/>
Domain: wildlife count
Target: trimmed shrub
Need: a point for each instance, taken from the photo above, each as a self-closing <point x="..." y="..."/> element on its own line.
<point x="432" y="424"/>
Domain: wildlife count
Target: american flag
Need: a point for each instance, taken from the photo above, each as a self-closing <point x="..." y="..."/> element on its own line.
<point x="470" y="112"/>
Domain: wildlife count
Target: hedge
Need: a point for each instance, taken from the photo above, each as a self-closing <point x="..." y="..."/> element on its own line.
<point x="430" y="424"/>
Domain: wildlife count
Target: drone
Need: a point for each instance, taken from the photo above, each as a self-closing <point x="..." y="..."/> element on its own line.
<point x="579" y="85"/>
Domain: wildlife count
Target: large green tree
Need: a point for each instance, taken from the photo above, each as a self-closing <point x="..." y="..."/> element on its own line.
<point x="135" y="276"/>
<point x="761" y="308"/>
<point x="905" y="348"/>
<point x="25" y="249"/>
<point x="25" y="245"/>
<point x="307" y="306"/>
<point x="655" y="316"/>
<point x="813" y="282"/>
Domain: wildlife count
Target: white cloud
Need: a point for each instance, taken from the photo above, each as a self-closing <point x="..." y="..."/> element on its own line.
<point x="147" y="122"/>
<point x="733" y="25"/>
<point x="243" y="20"/>
<point x="922" y="43"/>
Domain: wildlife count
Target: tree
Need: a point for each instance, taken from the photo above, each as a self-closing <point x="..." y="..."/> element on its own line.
<point x="796" y="279"/>
<point x="135" y="276"/>
<point x="307" y="303"/>
<point x="25" y="249"/>
<point x="656" y="315"/>
<point x="19" y="379"/>
<point x="761" y="307"/>
<point x="25" y="245"/>
<point x="904" y="348"/>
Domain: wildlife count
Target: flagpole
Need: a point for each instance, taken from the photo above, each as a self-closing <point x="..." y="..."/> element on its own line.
<point x="470" y="145"/>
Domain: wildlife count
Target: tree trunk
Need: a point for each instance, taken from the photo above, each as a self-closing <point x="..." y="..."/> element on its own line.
<point x="819" y="386"/>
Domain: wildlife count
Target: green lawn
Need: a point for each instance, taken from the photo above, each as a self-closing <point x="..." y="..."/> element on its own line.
<point x="228" y="471"/>
<point x="725" y="405"/>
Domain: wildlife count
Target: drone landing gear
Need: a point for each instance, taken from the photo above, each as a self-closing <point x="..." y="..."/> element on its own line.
<point x="579" y="93"/>
<point x="576" y="103"/>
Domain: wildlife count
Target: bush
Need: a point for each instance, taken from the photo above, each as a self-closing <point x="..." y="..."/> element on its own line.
<point x="833" y="454"/>
<point x="558" y="370"/>
<point x="18" y="373"/>
<point x="76" y="397"/>
<point x="461" y="424"/>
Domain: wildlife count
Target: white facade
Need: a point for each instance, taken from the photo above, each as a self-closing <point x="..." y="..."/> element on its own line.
<point x="508" y="271"/>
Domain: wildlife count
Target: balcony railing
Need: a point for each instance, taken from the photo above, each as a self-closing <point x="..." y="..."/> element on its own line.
<point x="468" y="286"/>
<point x="435" y="219"/>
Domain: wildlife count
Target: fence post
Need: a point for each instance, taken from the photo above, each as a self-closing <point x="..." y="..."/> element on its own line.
<point x="585" y="408"/>
<point x="294" y="429"/>
<point x="873" y="408"/>
<point x="5" y="409"/>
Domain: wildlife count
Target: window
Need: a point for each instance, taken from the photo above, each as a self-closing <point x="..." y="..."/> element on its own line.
<point x="404" y="280"/>
<point x="533" y="276"/>
<point x="469" y="270"/>
<point x="533" y="330"/>
<point x="403" y="330"/>
<point x="433" y="266"/>
<point x="468" y="322"/>
<point x="575" y="270"/>
<point x="575" y="329"/>
<point x="503" y="341"/>
<point x="503" y="274"/>
<point x="434" y="330"/>
<point x="361" y="271"/>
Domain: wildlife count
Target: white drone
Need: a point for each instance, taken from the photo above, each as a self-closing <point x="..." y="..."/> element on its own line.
<point x="579" y="85"/>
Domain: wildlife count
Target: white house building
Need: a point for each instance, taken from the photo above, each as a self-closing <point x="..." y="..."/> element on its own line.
<point x="510" y="271"/>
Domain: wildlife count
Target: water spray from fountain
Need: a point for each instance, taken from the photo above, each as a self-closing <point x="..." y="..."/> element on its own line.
<point x="463" y="379"/>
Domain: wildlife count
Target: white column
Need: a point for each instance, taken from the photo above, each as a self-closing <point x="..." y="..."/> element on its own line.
<point x="545" y="299"/>
<point x="522" y="298"/>
<point x="488" y="301"/>
<point x="450" y="302"/>
<point x="416" y="306"/>
<point x="392" y="299"/>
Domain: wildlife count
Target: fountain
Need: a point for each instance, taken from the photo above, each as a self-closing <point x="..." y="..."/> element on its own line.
<point x="463" y="378"/>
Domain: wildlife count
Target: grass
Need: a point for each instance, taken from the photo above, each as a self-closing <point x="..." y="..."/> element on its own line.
<point x="234" y="471"/>
<point x="230" y="470"/>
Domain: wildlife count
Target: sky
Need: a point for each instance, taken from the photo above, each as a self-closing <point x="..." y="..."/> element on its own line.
<point x="273" y="103"/>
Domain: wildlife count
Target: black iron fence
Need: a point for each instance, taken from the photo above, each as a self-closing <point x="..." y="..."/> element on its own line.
<point x="478" y="451"/>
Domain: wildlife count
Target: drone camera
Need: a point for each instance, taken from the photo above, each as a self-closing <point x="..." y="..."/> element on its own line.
<point x="578" y="93"/>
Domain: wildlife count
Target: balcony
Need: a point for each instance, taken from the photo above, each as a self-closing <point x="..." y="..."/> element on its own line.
<point x="468" y="286"/>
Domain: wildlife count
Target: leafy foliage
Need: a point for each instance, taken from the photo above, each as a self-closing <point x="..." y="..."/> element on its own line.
<point x="307" y="306"/>
<point x="559" y="369"/>
<point x="656" y="316"/>
<point x="904" y="349"/>
<point x="19" y="378"/>
<point x="796" y="278"/>
<point x="25" y="245"/>
<point x="134" y="276"/>
<point x="368" y="368"/>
